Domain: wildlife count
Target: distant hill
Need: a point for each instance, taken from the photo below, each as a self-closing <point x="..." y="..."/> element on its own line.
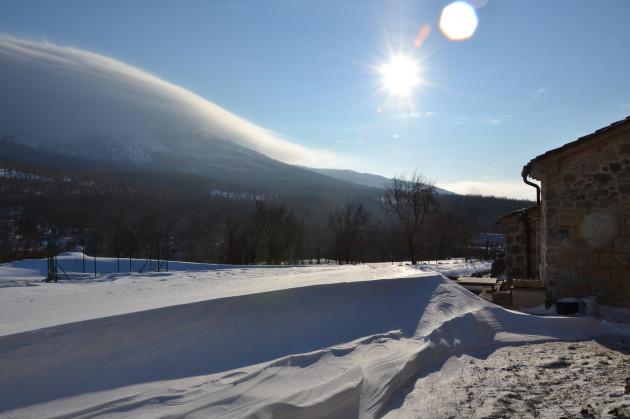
<point x="220" y="162"/>
<point x="365" y="179"/>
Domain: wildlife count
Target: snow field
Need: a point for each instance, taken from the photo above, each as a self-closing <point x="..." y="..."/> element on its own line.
<point x="311" y="341"/>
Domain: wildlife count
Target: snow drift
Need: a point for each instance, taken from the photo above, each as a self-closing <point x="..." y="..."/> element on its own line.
<point x="332" y="345"/>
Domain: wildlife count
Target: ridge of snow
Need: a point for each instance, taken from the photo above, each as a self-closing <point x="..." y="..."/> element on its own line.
<point x="305" y="341"/>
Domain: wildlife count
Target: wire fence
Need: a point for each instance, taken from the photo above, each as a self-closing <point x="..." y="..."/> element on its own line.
<point x="73" y="265"/>
<point x="77" y="265"/>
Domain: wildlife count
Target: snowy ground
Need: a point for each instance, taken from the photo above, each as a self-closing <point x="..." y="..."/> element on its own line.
<point x="581" y="379"/>
<point x="300" y="341"/>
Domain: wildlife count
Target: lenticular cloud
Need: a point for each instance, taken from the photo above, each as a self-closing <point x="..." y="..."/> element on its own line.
<point x="53" y="93"/>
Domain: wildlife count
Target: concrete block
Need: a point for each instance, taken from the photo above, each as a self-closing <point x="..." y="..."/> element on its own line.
<point x="528" y="297"/>
<point x="526" y="283"/>
<point x="502" y="297"/>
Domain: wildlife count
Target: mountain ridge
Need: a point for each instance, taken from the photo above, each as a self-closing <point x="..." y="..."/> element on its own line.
<point x="366" y="179"/>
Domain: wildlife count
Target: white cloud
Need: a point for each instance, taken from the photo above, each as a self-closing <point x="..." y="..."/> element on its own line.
<point x="492" y="188"/>
<point x="71" y="92"/>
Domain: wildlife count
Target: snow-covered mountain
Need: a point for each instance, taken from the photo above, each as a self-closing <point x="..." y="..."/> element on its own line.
<point x="59" y="97"/>
<point x="64" y="105"/>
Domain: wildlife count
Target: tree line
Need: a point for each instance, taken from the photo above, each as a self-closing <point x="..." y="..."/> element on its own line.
<point x="120" y="216"/>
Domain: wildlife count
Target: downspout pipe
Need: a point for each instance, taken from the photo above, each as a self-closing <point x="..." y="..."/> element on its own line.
<point x="527" y="244"/>
<point x="525" y="173"/>
<point x="527" y="169"/>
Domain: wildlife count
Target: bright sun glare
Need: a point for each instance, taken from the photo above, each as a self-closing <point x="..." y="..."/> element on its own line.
<point x="400" y="75"/>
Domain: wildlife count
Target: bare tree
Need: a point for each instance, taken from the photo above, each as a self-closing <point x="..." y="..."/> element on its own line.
<point x="346" y="225"/>
<point x="410" y="200"/>
<point x="240" y="236"/>
<point x="280" y="230"/>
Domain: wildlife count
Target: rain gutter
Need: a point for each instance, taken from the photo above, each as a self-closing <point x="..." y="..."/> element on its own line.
<point x="526" y="171"/>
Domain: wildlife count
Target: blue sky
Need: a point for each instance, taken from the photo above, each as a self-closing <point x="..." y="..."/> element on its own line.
<point x="534" y="75"/>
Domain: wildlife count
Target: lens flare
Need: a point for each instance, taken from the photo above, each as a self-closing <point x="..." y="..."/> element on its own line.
<point x="423" y="34"/>
<point x="599" y="229"/>
<point x="458" y="21"/>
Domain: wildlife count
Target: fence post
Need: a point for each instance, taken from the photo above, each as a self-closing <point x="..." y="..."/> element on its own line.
<point x="150" y="248"/>
<point x="52" y="256"/>
<point x="157" y="252"/>
<point x="83" y="235"/>
<point x="94" y="250"/>
<point x="117" y="257"/>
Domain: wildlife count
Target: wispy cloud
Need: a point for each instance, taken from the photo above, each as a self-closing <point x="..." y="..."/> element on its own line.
<point x="499" y="119"/>
<point x="416" y="114"/>
<point x="539" y="93"/>
<point x="71" y="92"/>
<point x="491" y="187"/>
<point x="480" y="120"/>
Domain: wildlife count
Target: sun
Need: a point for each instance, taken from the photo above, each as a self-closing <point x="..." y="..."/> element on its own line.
<point x="400" y="75"/>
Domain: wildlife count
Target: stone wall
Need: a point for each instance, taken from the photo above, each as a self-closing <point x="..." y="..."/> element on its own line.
<point x="516" y="244"/>
<point x="585" y="225"/>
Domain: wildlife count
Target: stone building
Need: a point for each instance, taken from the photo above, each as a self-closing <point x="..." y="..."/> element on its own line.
<point x="576" y="239"/>
<point x="522" y="244"/>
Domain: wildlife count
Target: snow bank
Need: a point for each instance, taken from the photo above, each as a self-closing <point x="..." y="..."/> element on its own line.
<point x="268" y="342"/>
<point x="456" y="267"/>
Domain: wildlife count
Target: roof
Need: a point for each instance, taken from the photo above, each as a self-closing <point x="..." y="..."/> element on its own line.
<point x="582" y="140"/>
<point x="518" y="213"/>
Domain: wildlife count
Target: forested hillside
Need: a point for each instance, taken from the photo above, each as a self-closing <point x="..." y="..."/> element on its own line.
<point x="121" y="212"/>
